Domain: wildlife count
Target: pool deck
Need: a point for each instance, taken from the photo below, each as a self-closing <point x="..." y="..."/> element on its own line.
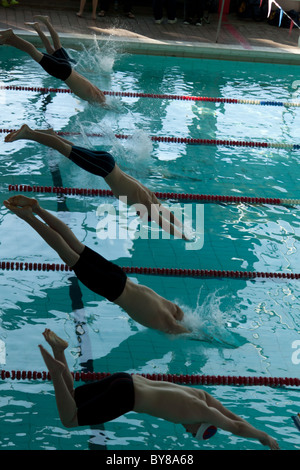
<point x="238" y="39"/>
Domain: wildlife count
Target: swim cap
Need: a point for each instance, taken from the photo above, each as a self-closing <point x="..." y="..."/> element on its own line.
<point x="296" y="420"/>
<point x="205" y="431"/>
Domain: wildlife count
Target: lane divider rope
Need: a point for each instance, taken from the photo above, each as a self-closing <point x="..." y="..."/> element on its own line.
<point x="177" y="272"/>
<point x="209" y="198"/>
<point x="191" y="141"/>
<point x="174" y="378"/>
<point x="160" y="96"/>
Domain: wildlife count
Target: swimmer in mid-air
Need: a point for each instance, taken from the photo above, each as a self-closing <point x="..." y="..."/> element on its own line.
<point x="56" y="61"/>
<point x="102" y="164"/>
<point x="98" y="274"/>
<point x="120" y="393"/>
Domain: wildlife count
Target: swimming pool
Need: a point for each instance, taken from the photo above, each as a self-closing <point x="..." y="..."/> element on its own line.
<point x="253" y="323"/>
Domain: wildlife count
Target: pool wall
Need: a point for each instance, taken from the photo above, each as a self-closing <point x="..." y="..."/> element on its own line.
<point x="181" y="49"/>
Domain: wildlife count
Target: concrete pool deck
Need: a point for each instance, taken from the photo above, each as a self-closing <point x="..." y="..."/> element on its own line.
<point x="238" y="39"/>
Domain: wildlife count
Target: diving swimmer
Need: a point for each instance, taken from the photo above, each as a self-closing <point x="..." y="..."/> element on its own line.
<point x="56" y="61"/>
<point x="101" y="401"/>
<point x="98" y="274"/>
<point x="102" y="164"/>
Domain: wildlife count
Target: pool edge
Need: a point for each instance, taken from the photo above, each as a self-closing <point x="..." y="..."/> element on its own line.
<point x="216" y="51"/>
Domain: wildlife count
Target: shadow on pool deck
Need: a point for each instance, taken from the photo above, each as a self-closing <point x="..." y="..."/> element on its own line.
<point x="247" y="36"/>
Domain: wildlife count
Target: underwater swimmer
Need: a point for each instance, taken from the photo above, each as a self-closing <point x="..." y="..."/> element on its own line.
<point x="119" y="393"/>
<point x="56" y="61"/>
<point x="102" y="164"/>
<point x="98" y="274"/>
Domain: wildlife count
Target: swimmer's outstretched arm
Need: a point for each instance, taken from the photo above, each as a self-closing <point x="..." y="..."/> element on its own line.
<point x="145" y="201"/>
<point x="191" y="407"/>
<point x="215" y="413"/>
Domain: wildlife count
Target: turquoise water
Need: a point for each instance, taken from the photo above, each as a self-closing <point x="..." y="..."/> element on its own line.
<point x="254" y="324"/>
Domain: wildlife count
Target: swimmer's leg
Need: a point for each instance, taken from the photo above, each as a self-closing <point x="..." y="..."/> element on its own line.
<point x="42" y="36"/>
<point x="54" y="35"/>
<point x="58" y="346"/>
<point x="66" y="404"/>
<point x="65" y="233"/>
<point x="50" y="131"/>
<point x="55" y="232"/>
<point x="8" y="37"/>
<point x="48" y="138"/>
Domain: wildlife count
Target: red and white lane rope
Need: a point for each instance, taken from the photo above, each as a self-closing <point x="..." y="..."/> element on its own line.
<point x="159" y="96"/>
<point x="174" y="378"/>
<point x="177" y="272"/>
<point x="208" y="198"/>
<point x="191" y="141"/>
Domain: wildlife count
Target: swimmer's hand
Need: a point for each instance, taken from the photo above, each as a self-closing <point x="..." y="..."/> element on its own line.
<point x="269" y="442"/>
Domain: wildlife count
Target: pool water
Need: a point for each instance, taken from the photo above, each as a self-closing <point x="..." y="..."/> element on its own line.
<point x="241" y="327"/>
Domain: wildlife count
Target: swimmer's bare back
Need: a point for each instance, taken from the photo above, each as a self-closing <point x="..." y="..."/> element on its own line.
<point x="150" y="309"/>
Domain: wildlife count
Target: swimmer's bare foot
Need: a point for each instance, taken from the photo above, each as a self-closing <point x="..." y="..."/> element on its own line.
<point x="57" y="344"/>
<point x="6" y="35"/>
<point x="22" y="133"/>
<point x="54" y="366"/>
<point x="35" y="26"/>
<point x="24" y="201"/>
<point x="24" y="212"/>
<point x="43" y="18"/>
<point x="31" y="23"/>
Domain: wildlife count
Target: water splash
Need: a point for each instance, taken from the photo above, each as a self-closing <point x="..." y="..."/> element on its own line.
<point x="97" y="60"/>
<point x="134" y="152"/>
<point x="138" y="149"/>
<point x="208" y="323"/>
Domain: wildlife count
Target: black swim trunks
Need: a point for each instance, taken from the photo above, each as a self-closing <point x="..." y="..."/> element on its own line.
<point x="100" y="275"/>
<point x="62" y="54"/>
<point x="98" y="162"/>
<point x="57" y="67"/>
<point x="104" y="400"/>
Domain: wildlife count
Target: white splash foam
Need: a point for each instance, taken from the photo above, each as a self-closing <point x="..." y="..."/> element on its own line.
<point x="97" y="60"/>
<point x="207" y="322"/>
